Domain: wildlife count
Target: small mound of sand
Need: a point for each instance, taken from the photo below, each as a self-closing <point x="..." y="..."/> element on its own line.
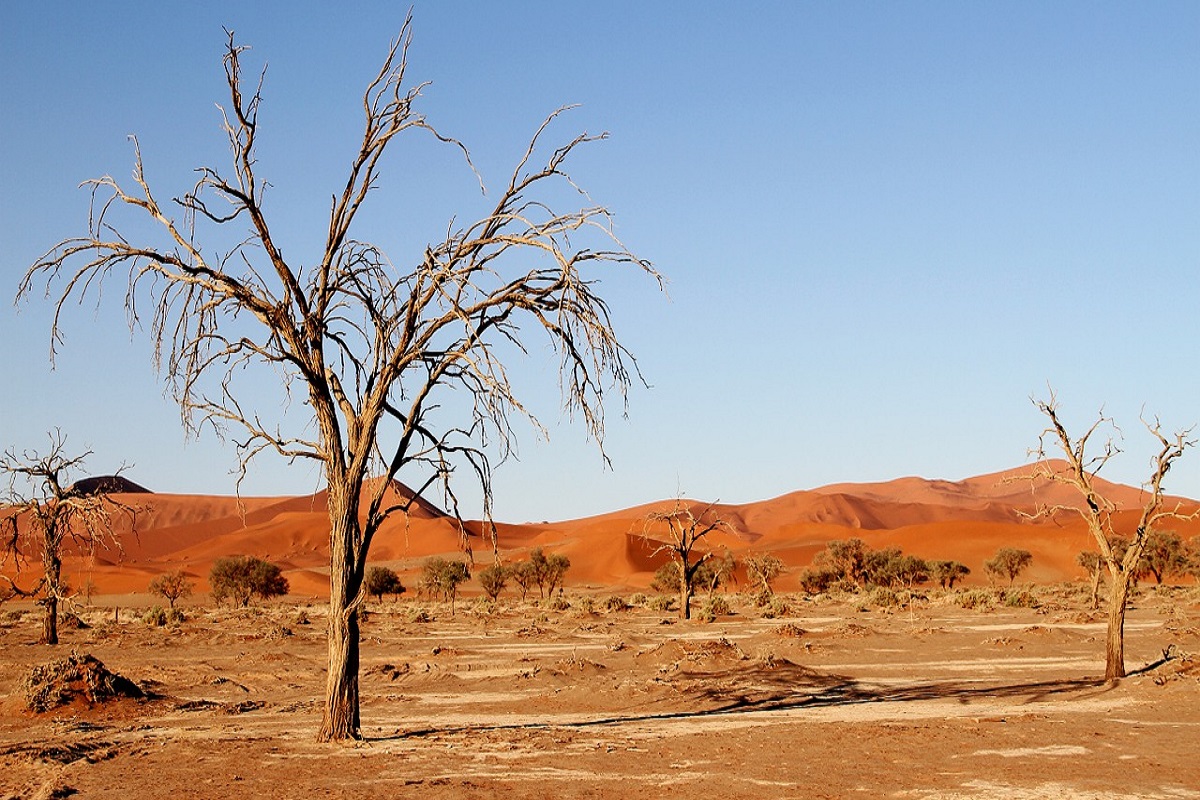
<point x="61" y="682"/>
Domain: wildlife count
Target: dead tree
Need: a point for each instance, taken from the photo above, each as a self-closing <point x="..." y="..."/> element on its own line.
<point x="684" y="531"/>
<point x="43" y="513"/>
<point x="383" y="354"/>
<point x="1097" y="511"/>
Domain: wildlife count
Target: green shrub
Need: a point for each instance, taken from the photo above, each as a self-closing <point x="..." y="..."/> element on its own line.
<point x="775" y="607"/>
<point x="883" y="597"/>
<point x="585" y="605"/>
<point x="715" y="605"/>
<point x="559" y="602"/>
<point x="662" y="602"/>
<point x="615" y="603"/>
<point x="980" y="599"/>
<point x="1021" y="599"/>
<point x="155" y="617"/>
<point x="638" y="600"/>
<point x="241" y="577"/>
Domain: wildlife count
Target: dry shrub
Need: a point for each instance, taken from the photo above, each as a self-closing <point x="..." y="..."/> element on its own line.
<point x="790" y="630"/>
<point x="60" y="682"/>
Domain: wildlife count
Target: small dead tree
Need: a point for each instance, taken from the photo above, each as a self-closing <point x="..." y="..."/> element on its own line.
<point x="1097" y="511"/>
<point x="381" y="351"/>
<point x="45" y="513"/>
<point x="684" y="530"/>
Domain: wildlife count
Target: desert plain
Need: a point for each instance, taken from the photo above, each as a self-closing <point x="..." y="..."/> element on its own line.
<point x="603" y="692"/>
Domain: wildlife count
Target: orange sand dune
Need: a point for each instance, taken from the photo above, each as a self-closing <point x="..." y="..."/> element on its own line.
<point x="965" y="521"/>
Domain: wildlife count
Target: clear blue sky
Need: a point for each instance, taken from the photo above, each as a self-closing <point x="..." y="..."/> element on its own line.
<point x="885" y="225"/>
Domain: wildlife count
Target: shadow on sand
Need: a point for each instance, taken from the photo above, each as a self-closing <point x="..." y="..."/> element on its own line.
<point x="784" y="686"/>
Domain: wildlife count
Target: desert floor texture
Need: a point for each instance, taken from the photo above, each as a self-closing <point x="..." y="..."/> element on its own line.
<point x="832" y="699"/>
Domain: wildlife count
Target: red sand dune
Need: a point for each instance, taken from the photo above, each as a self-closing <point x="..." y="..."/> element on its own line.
<point x="965" y="520"/>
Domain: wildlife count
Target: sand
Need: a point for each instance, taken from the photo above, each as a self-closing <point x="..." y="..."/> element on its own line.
<point x="834" y="699"/>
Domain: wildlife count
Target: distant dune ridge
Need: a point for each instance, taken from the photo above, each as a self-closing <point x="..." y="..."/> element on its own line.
<point x="964" y="520"/>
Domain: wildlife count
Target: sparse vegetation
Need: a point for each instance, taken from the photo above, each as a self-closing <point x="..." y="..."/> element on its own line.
<point x="1009" y="562"/>
<point x="762" y="570"/>
<point x="440" y="578"/>
<point x="493" y="578"/>
<point x="241" y="578"/>
<point x="172" y="586"/>
<point x="384" y="580"/>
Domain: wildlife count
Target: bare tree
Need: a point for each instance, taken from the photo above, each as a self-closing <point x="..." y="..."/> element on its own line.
<point x="1097" y="511"/>
<point x="684" y="531"/>
<point x="377" y="350"/>
<point x="47" y="512"/>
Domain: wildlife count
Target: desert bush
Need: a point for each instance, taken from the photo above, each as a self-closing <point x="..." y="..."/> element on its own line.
<point x="980" y="599"/>
<point x="775" y="607"/>
<point x="615" y="602"/>
<point x="884" y="597"/>
<point x="584" y="605"/>
<point x="817" y="580"/>
<point x="1021" y="599"/>
<point x="493" y="578"/>
<point x="715" y="605"/>
<point x="172" y="586"/>
<point x="559" y="602"/>
<point x="947" y="573"/>
<point x="155" y="617"/>
<point x="666" y="578"/>
<point x="384" y="580"/>
<point x="662" y="602"/>
<point x="638" y="600"/>
<point x="440" y="578"/>
<point x="242" y="577"/>
<point x="420" y="616"/>
<point x="1008" y="562"/>
<point x="762" y="570"/>
<point x="301" y="618"/>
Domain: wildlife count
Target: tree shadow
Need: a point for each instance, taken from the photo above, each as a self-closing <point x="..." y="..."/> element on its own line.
<point x="787" y="686"/>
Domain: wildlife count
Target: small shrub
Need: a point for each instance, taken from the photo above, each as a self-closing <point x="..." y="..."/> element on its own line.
<point x="775" y="607"/>
<point x="662" y="602"/>
<point x="615" y="603"/>
<point x="883" y="597"/>
<point x="715" y="605"/>
<point x="559" y="603"/>
<point x="975" y="598"/>
<point x="301" y="618"/>
<point x="155" y="617"/>
<point x="1021" y="599"/>
<point x="638" y="600"/>
<point x="420" y="616"/>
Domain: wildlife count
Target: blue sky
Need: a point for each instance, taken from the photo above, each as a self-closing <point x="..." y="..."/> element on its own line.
<point x="885" y="225"/>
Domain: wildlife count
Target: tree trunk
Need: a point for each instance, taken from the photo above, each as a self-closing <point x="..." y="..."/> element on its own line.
<point x="685" y="595"/>
<point x="53" y="566"/>
<point x="1096" y="587"/>
<point x="1114" y="651"/>
<point x="341" y="718"/>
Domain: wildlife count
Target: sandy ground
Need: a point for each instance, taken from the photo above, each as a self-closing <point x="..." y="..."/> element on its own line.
<point x="829" y="701"/>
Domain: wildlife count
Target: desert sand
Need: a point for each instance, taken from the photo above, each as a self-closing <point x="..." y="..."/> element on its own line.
<point x="829" y="700"/>
<point x="946" y="695"/>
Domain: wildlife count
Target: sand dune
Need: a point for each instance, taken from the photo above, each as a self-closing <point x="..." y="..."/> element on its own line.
<point x="963" y="520"/>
